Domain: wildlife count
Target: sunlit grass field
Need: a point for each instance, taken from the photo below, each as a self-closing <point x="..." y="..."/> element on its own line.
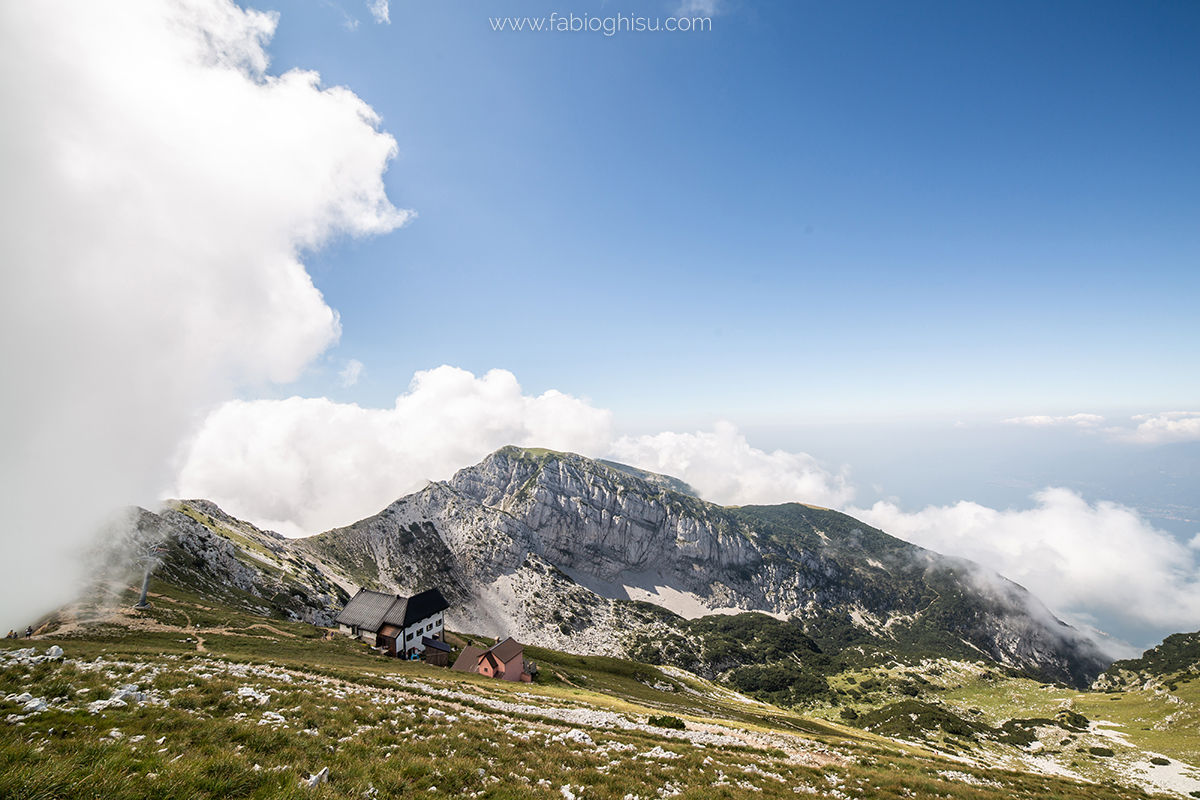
<point x="215" y="703"/>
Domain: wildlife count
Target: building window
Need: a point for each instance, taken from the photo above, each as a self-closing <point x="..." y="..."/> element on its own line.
<point x="438" y="623"/>
<point x="408" y="638"/>
<point x="429" y="627"/>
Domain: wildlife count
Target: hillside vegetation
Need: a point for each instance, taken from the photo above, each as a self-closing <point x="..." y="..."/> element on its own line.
<point x="192" y="699"/>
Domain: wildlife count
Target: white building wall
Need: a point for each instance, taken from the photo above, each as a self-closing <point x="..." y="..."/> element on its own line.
<point x="413" y="633"/>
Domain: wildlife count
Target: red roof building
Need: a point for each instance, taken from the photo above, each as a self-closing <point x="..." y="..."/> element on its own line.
<point x="504" y="660"/>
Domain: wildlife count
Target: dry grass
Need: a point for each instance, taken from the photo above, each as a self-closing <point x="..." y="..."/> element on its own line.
<point x="264" y="708"/>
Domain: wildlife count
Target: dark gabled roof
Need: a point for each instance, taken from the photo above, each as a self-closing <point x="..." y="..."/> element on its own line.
<point x="419" y="607"/>
<point x="507" y="650"/>
<point x="468" y="659"/>
<point x="435" y="644"/>
<point x="395" y="614"/>
<point x="366" y="610"/>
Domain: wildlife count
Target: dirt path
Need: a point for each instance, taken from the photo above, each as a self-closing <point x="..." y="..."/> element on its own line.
<point x="77" y="618"/>
<point x="200" y="648"/>
<point x="276" y="631"/>
<point x="563" y="678"/>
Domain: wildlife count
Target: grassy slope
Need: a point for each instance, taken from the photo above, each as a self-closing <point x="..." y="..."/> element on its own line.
<point x="1136" y="726"/>
<point x="393" y="729"/>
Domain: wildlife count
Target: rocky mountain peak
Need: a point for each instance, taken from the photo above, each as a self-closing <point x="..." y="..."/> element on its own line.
<point x="567" y="551"/>
<point x="625" y="535"/>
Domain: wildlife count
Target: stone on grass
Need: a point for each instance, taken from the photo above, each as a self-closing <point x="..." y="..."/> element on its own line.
<point x="128" y="694"/>
<point x="316" y="779"/>
<point x="262" y="698"/>
<point x="578" y="736"/>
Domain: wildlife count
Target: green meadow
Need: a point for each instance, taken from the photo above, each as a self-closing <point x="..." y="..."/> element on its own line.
<point x="189" y="699"/>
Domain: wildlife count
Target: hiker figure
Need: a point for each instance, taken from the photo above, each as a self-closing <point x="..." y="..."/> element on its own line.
<point x="11" y="635"/>
<point x="29" y="632"/>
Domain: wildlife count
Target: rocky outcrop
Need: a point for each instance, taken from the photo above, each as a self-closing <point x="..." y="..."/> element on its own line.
<point x="214" y="554"/>
<point x="1161" y="668"/>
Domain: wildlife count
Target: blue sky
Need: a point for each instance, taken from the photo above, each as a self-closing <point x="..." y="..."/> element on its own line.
<point x="812" y="211"/>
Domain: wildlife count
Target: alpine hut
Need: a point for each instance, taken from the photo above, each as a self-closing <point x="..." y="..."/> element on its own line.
<point x="398" y="624"/>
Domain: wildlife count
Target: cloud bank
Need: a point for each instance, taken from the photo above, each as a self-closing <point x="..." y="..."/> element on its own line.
<point x="301" y="466"/>
<point x="306" y="465"/>
<point x="725" y="469"/>
<point x="1043" y="421"/>
<point x="159" y="189"/>
<point x="1087" y="562"/>
<point x="1168" y="426"/>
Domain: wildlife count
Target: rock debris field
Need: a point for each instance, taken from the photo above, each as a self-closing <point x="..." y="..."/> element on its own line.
<point x="501" y="738"/>
<point x="198" y="726"/>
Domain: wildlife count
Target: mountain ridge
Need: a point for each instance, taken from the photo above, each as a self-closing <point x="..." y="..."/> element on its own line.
<point x="574" y="554"/>
<point x="548" y="545"/>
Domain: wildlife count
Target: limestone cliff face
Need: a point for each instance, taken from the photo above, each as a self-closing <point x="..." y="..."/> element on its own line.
<point x="485" y="561"/>
<point x="587" y="517"/>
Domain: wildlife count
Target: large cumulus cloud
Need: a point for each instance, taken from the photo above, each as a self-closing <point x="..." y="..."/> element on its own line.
<point x="304" y="465"/>
<point x="159" y="189"/>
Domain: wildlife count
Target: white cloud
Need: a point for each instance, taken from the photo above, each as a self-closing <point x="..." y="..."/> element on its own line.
<point x="159" y="188"/>
<point x="352" y="372"/>
<point x="1168" y="426"/>
<point x="1085" y="561"/>
<point x="379" y="10"/>
<point x="724" y="468"/>
<point x="306" y="465"/>
<point x="1042" y="421"/>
